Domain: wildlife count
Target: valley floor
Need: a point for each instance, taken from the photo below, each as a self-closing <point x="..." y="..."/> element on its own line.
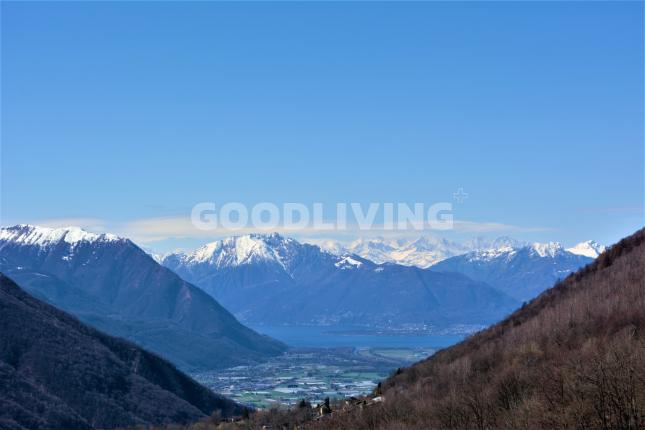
<point x="311" y="374"/>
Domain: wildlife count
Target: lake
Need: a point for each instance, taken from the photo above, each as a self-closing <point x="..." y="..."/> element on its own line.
<point x="331" y="337"/>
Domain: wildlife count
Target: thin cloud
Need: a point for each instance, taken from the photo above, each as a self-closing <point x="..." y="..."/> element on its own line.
<point x="157" y="229"/>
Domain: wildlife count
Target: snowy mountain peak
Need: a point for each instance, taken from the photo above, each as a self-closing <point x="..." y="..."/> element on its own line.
<point x="348" y="262"/>
<point x="238" y="250"/>
<point x="423" y="251"/>
<point x="482" y="243"/>
<point x="589" y="248"/>
<point x="26" y="234"/>
<point x="550" y="249"/>
<point x="491" y="253"/>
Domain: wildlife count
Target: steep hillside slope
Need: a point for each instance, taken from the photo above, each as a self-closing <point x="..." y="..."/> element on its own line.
<point x="57" y="373"/>
<point x="572" y="358"/>
<point x="113" y="285"/>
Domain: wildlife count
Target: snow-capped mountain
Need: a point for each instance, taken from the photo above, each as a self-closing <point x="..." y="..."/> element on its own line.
<point x="590" y="248"/>
<point x="271" y="279"/>
<point x="427" y="251"/>
<point x="482" y="243"/>
<point x="25" y="234"/>
<point x="240" y="250"/>
<point x="422" y="252"/>
<point x="521" y="272"/>
<point x="112" y="284"/>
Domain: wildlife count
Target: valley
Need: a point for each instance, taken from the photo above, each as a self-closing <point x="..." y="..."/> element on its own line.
<point x="336" y="362"/>
<point x="311" y="374"/>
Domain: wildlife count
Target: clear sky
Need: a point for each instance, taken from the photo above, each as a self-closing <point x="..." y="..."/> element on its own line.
<point x="123" y="115"/>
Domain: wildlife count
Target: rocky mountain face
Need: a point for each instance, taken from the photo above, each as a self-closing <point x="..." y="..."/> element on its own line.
<point x="111" y="284"/>
<point x="58" y="373"/>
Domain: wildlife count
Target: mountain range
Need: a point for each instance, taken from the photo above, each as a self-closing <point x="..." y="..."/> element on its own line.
<point x="270" y="279"/>
<point x="426" y="251"/>
<point x="522" y="272"/>
<point x="57" y="373"/>
<point x="113" y="285"/>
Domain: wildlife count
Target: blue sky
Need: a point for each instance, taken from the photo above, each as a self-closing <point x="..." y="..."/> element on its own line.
<point x="118" y="115"/>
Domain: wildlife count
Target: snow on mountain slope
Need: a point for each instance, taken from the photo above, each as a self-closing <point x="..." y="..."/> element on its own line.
<point x="427" y="251"/>
<point x="422" y="252"/>
<point x="521" y="271"/>
<point x="550" y="249"/>
<point x="348" y="262"/>
<point x="482" y="243"/>
<point x="26" y="234"/>
<point x="541" y="250"/>
<point x="112" y="284"/>
<point x="377" y="250"/>
<point x="270" y="279"/>
<point x="590" y="248"/>
<point x="268" y="249"/>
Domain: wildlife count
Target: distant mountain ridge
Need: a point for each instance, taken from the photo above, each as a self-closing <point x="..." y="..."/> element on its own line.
<point x="522" y="272"/>
<point x="253" y="275"/>
<point x="426" y="251"/>
<point x="57" y="373"/>
<point x="589" y="248"/>
<point x="270" y="279"/>
<point x="111" y="284"/>
<point x="421" y="252"/>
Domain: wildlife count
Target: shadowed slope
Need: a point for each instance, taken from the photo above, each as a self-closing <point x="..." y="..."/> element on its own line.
<point x="113" y="285"/>
<point x="55" y="372"/>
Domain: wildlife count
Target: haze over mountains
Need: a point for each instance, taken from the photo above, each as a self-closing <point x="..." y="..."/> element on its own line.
<point x="269" y="279"/>
<point x="57" y="373"/>
<point x="113" y="285"/>
<point x="426" y="251"/>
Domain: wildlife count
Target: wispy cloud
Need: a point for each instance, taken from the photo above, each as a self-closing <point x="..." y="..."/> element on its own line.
<point x="150" y="230"/>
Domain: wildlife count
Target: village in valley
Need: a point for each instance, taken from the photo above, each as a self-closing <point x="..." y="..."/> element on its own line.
<point x="310" y="374"/>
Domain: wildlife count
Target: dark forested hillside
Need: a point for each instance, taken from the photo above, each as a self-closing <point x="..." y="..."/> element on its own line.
<point x="572" y="358"/>
<point x="57" y="373"/>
